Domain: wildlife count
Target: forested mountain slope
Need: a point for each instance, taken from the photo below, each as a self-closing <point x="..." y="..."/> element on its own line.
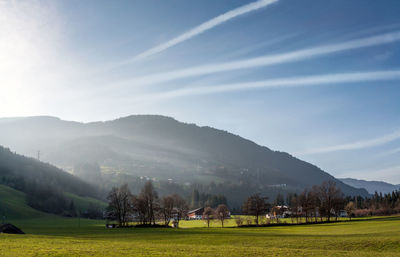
<point x="44" y="185"/>
<point x="162" y="148"/>
<point x="371" y="186"/>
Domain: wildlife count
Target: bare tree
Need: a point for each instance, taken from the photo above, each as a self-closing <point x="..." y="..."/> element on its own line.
<point x="120" y="204"/>
<point x="166" y="209"/>
<point x="222" y="213"/>
<point x="316" y="202"/>
<point x="255" y="205"/>
<point x="330" y="196"/>
<point x="308" y="201"/>
<point x="350" y="209"/>
<point x="180" y="207"/>
<point x="239" y="221"/>
<point x="140" y="209"/>
<point x="338" y="204"/>
<point x="296" y="207"/>
<point x="208" y="215"/>
<point x="150" y="198"/>
<point x="303" y="203"/>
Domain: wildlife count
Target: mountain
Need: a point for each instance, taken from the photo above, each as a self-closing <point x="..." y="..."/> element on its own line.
<point x="371" y="186"/>
<point x="47" y="188"/>
<point x="162" y="148"/>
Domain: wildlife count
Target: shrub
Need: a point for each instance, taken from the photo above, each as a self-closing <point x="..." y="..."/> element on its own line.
<point x="239" y="221"/>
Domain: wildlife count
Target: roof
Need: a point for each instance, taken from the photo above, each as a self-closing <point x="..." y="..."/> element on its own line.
<point x="195" y="210"/>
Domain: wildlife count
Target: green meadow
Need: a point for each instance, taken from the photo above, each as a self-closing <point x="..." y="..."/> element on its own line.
<point x="49" y="235"/>
<point x="73" y="237"/>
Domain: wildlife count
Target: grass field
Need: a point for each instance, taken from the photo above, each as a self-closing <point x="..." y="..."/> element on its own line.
<point x="63" y="237"/>
<point x="50" y="235"/>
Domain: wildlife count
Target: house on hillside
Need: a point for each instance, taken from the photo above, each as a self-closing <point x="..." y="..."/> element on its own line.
<point x="196" y="214"/>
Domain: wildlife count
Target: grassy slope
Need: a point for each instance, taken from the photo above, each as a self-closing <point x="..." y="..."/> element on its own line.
<point x="83" y="203"/>
<point x="63" y="237"/>
<point x="13" y="205"/>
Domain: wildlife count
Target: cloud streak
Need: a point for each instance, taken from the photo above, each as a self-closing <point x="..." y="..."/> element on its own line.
<point x="315" y="80"/>
<point x="358" y="144"/>
<point x="201" y="29"/>
<point x="390" y="152"/>
<point x="266" y="60"/>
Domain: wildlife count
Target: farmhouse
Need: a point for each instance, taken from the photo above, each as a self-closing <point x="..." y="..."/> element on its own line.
<point x="196" y="214"/>
<point x="280" y="211"/>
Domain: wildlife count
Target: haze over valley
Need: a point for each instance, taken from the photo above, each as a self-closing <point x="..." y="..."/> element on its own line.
<point x="164" y="150"/>
<point x="199" y="128"/>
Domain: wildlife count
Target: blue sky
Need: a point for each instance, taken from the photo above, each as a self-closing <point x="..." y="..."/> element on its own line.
<point x="317" y="79"/>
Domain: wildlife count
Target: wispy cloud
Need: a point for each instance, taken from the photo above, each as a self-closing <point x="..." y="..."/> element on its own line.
<point x="390" y="152"/>
<point x="357" y="145"/>
<point x="265" y="60"/>
<point x="285" y="82"/>
<point x="202" y="28"/>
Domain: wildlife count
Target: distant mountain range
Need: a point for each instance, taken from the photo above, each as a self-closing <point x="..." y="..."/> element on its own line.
<point x="371" y="186"/>
<point x="162" y="148"/>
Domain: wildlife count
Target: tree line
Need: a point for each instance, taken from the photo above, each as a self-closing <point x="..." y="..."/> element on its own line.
<point x="327" y="200"/>
<point x="145" y="208"/>
<point x="377" y="204"/>
<point x="320" y="203"/>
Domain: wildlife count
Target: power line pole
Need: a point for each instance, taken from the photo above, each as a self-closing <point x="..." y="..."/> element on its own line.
<point x="38" y="155"/>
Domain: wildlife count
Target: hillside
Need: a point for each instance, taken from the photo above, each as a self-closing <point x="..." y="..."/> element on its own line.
<point x="44" y="185"/>
<point x="13" y="205"/>
<point x="371" y="186"/>
<point x="162" y="148"/>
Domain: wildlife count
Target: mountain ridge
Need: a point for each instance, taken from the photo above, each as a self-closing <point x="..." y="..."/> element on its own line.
<point x="163" y="148"/>
<point x="371" y="186"/>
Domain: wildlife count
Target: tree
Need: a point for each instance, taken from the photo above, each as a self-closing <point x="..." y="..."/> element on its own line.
<point x="166" y="209"/>
<point x="181" y="208"/>
<point x="289" y="198"/>
<point x="149" y="197"/>
<point x="222" y="213"/>
<point x="338" y="204"/>
<point x="255" y="205"/>
<point x="397" y="205"/>
<point x="330" y="197"/>
<point x="195" y="198"/>
<point x="95" y="212"/>
<point x="316" y="202"/>
<point x="239" y="221"/>
<point x="72" y="209"/>
<point x="140" y="209"/>
<point x="208" y="215"/>
<point x="120" y="204"/>
<point x="350" y="209"/>
<point x="296" y="207"/>
<point x="308" y="203"/>
<point x="279" y="200"/>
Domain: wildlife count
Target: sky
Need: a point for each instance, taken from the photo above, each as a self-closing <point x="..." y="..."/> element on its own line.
<point x="317" y="79"/>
